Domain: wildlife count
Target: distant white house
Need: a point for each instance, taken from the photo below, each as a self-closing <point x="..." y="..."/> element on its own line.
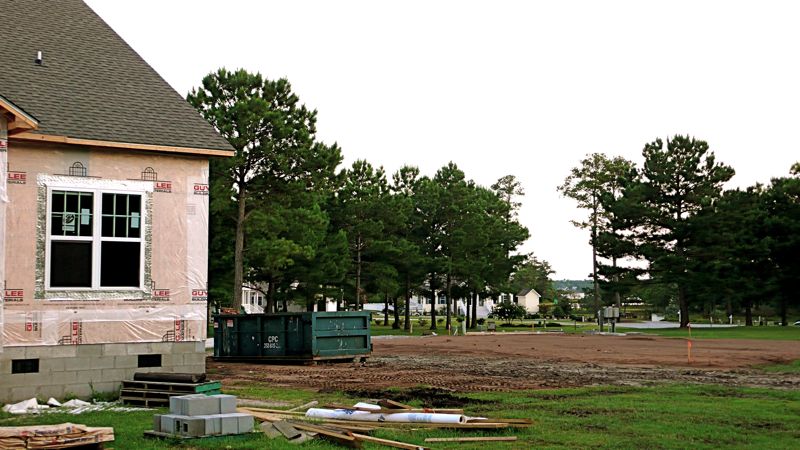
<point x="254" y="301"/>
<point x="529" y="299"/>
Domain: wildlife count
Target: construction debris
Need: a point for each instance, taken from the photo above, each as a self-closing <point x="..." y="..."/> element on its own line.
<point x="198" y="415"/>
<point x="157" y="393"/>
<point x="350" y="425"/>
<point x="474" y="439"/>
<point x="65" y="435"/>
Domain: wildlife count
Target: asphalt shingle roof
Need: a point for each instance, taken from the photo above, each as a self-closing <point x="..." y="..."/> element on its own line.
<point x="91" y="85"/>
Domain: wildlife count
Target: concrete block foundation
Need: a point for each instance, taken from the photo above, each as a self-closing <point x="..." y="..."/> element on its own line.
<point x="82" y="370"/>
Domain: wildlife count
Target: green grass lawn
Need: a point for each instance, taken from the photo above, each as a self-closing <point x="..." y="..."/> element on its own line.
<point x="668" y="416"/>
<point x="772" y="332"/>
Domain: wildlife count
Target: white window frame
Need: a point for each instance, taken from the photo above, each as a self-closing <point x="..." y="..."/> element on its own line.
<point x="97" y="237"/>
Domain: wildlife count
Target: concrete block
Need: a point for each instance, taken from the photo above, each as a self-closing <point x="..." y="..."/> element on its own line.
<point x="193" y="368"/>
<point x="177" y="403"/>
<point x="230" y="425"/>
<point x="193" y="426"/>
<point x="198" y="406"/>
<point x="89" y="350"/>
<point x="246" y="423"/>
<point x="23" y="393"/>
<point x="80" y="390"/>
<point x="126" y="362"/>
<point x="169" y="423"/>
<point x="227" y="403"/>
<point x="103" y="362"/>
<point x="171" y="360"/>
<point x="184" y="425"/>
<point x="89" y="376"/>
<point x="115" y="349"/>
<point x="45" y="392"/>
<point x="157" y="347"/>
<point x="156" y="422"/>
<point x="51" y="364"/>
<point x="20" y="380"/>
<point x="183" y="347"/>
<point x="10" y="353"/>
<point x="200" y="347"/>
<point x="5" y="366"/>
<point x="114" y="375"/>
<point x="67" y="377"/>
<point x="78" y="364"/>
<point x="194" y="358"/>
<point x="5" y="395"/>
<point x="51" y="351"/>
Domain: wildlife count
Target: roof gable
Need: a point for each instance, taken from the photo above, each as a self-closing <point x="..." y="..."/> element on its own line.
<point x="91" y="86"/>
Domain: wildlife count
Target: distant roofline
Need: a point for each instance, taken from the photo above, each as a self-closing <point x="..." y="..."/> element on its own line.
<point x="38" y="137"/>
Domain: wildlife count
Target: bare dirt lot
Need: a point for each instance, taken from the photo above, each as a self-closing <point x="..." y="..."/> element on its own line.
<point x="505" y="362"/>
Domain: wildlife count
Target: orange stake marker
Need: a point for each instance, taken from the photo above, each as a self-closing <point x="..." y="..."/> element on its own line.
<point x="689" y="344"/>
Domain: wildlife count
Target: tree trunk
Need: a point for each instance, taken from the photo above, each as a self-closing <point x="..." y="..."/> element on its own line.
<point x="386" y="308"/>
<point x="270" y="308"/>
<point x="784" y="311"/>
<point x="285" y="304"/>
<point x="748" y="313"/>
<point x="433" y="302"/>
<point x="683" y="304"/>
<point x="594" y="264"/>
<point x="238" y="252"/>
<point x="449" y="310"/>
<point x="466" y="309"/>
<point x="474" y="310"/>
<point x="396" y="324"/>
<point x="617" y="297"/>
<point x="407" y="324"/>
<point x="358" y="273"/>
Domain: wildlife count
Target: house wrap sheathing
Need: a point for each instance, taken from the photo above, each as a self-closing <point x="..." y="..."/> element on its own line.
<point x="103" y="209"/>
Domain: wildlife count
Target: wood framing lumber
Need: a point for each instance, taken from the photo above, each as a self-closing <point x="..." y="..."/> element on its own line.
<point x="496" y="420"/>
<point x="339" y="438"/>
<point x="386" y="403"/>
<point x="389" y="443"/>
<point x="303" y="406"/>
<point x="286" y="429"/>
<point x="474" y="439"/>
<point x="394" y="410"/>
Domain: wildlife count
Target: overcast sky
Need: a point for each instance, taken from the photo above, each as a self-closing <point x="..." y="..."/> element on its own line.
<point x="522" y="88"/>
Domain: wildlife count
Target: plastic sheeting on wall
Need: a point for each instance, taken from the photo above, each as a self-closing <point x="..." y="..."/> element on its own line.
<point x="171" y="304"/>
<point x="3" y="202"/>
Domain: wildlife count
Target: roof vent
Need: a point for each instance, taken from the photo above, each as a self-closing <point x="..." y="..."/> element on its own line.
<point x="39" y="57"/>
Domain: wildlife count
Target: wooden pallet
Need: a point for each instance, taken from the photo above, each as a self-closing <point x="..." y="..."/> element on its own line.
<point x="157" y="393"/>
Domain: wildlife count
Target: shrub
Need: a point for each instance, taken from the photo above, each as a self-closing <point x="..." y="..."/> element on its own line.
<point x="440" y="321"/>
<point x="422" y="322"/>
<point x="481" y="321"/>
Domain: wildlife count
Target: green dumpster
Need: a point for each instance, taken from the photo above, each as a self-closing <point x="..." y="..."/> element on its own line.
<point x="309" y="336"/>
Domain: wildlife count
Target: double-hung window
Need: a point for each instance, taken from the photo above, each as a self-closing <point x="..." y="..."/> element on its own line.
<point x="95" y="239"/>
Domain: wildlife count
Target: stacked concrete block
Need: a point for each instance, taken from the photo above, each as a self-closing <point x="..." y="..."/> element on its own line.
<point x="200" y="415"/>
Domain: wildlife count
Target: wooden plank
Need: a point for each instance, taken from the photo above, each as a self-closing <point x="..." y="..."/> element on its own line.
<point x="474" y="439"/>
<point x="394" y="411"/>
<point x="303" y="406"/>
<point x="496" y="420"/>
<point x="339" y="438"/>
<point x="29" y="136"/>
<point x="272" y="417"/>
<point x="389" y="443"/>
<point x="286" y="429"/>
<point x="386" y="403"/>
<point x="266" y="417"/>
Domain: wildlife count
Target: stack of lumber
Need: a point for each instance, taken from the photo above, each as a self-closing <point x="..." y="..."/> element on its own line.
<point x="295" y="426"/>
<point x="155" y="389"/>
<point x="65" y="435"/>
